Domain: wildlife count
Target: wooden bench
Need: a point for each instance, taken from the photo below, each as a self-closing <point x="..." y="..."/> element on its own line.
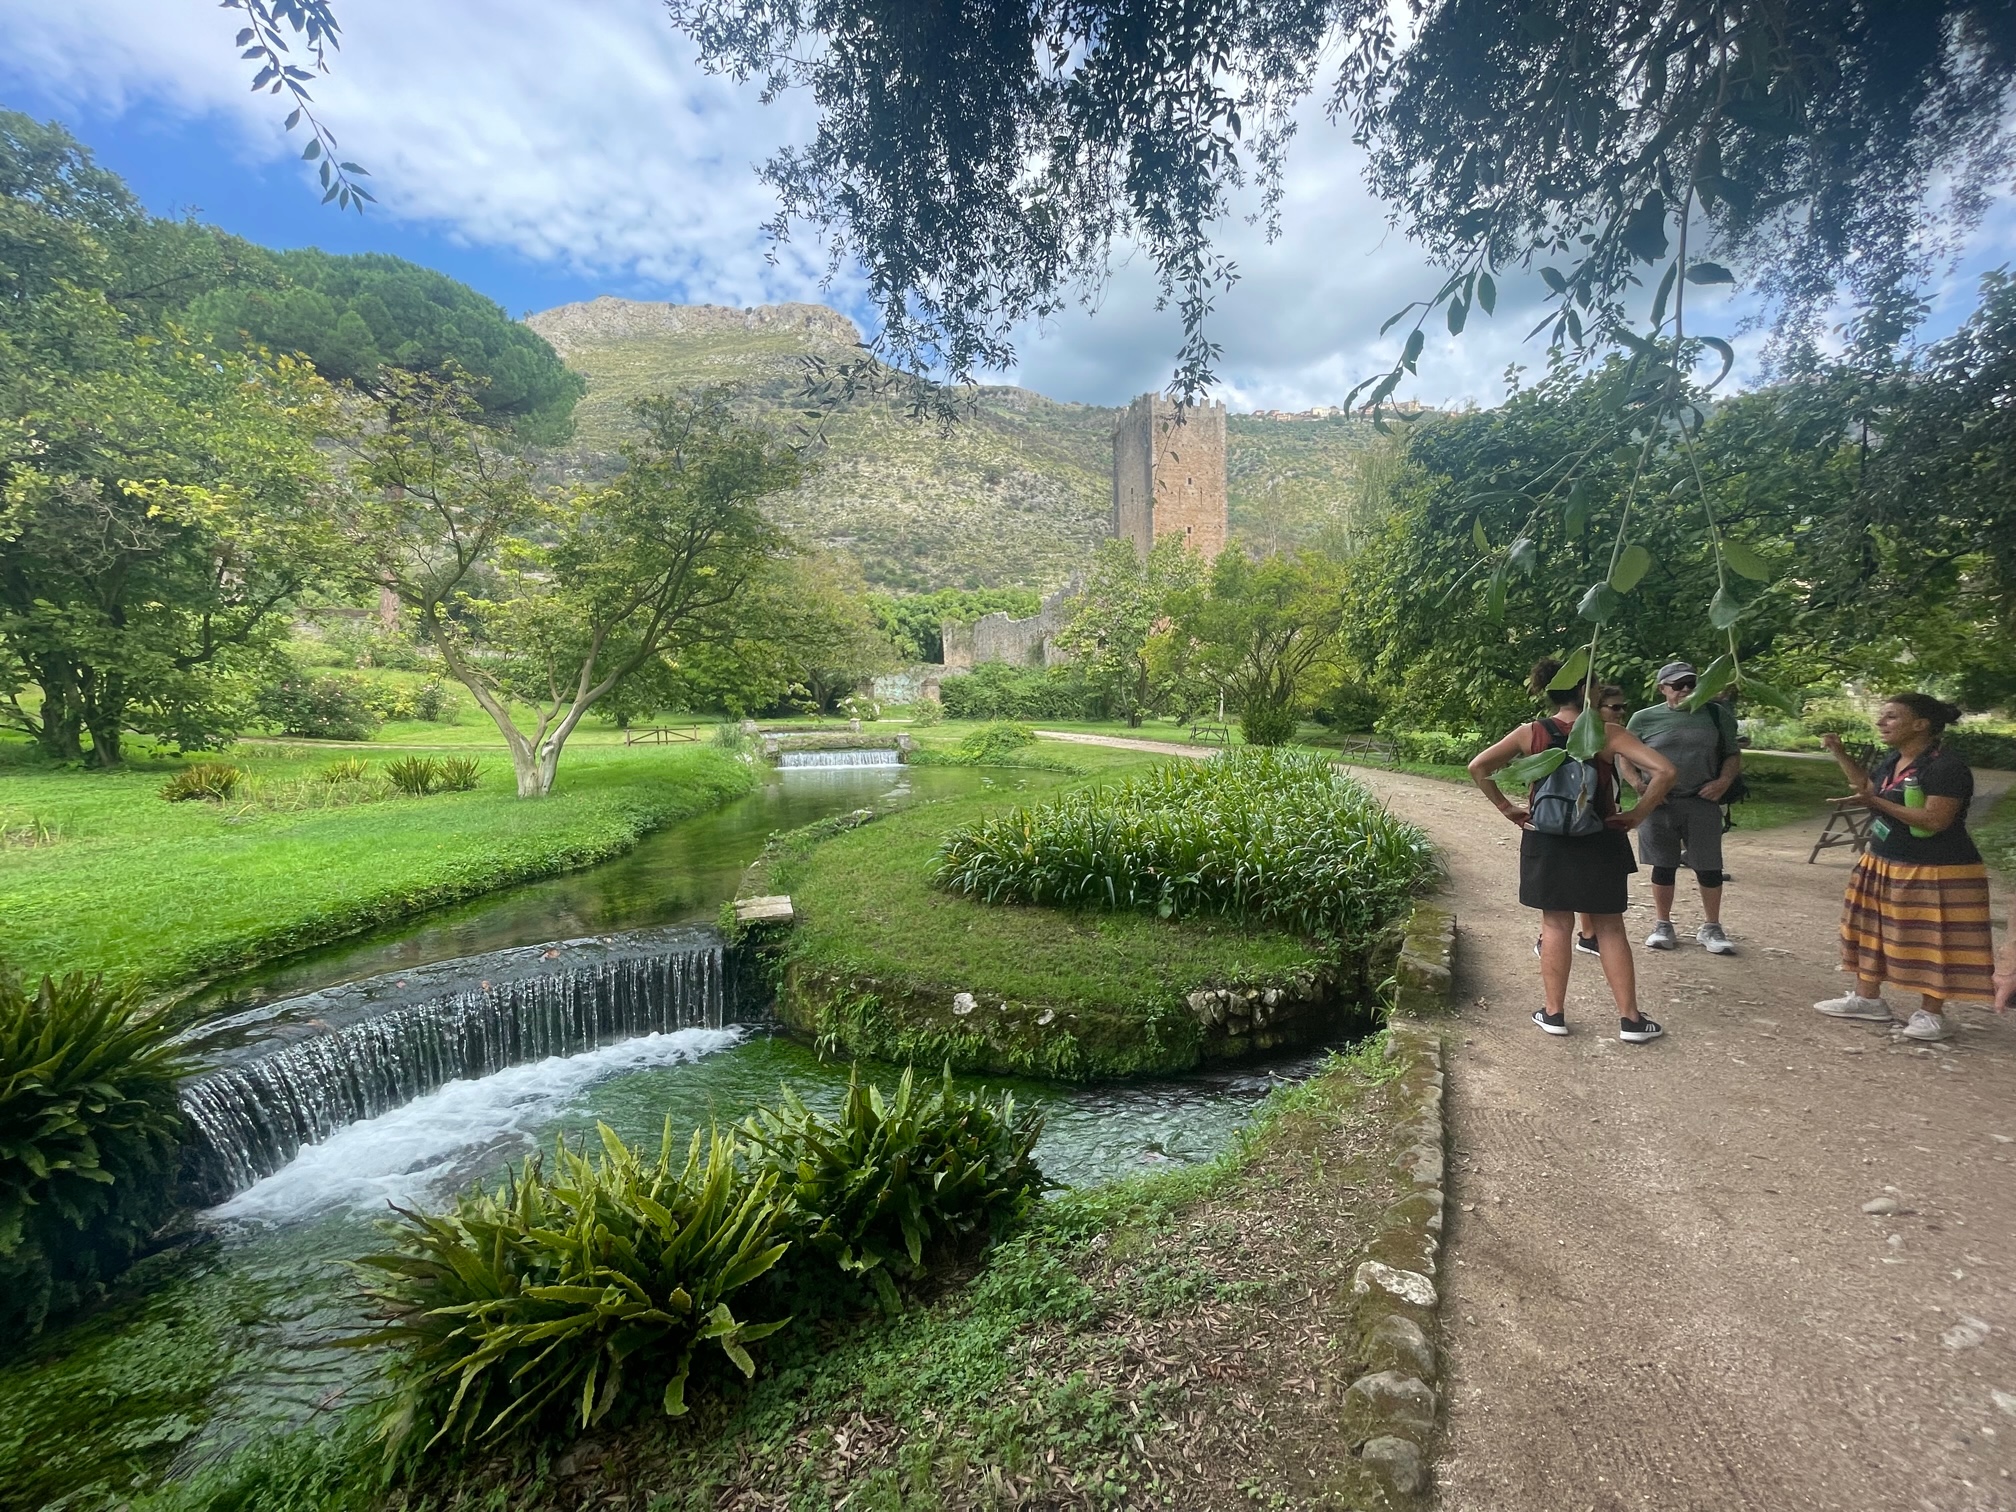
<point x="1847" y="824"/>
<point x="1222" y="734"/>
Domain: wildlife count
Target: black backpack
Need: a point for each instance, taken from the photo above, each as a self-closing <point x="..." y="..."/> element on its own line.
<point x="1567" y="801"/>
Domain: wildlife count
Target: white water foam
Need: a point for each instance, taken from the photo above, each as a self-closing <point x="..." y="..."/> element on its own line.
<point x="418" y="1154"/>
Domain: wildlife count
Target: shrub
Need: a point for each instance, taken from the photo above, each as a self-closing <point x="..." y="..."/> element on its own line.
<point x="215" y="780"/>
<point x="370" y="645"/>
<point x="926" y="712"/>
<point x="1436" y="747"/>
<point x="349" y="769"/>
<point x="434" y="702"/>
<point x="458" y="774"/>
<point x="860" y="706"/>
<point x="993" y="741"/>
<point x="89" y="1133"/>
<point x="1258" y="835"/>
<point x="996" y="690"/>
<point x="1838" y="716"/>
<point x="893" y="1181"/>
<point x="541" y="1305"/>
<point x="1266" y="724"/>
<point x="1983" y="745"/>
<point x="318" y="707"/>
<point x="415" y="776"/>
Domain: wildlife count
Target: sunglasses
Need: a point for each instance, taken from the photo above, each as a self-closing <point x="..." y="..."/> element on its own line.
<point x="1617" y="706"/>
<point x="1684" y="684"/>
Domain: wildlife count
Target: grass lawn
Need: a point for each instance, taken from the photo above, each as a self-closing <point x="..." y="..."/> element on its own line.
<point x="1995" y="833"/>
<point x="878" y="953"/>
<point x="163" y="893"/>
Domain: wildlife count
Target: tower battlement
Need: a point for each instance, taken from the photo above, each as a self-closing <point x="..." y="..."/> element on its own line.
<point x="1169" y="475"/>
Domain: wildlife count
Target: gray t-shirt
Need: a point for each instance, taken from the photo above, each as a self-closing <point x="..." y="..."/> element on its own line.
<point x="1690" y="739"/>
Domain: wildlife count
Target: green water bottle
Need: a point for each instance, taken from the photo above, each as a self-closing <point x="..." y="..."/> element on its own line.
<point x="1914" y="797"/>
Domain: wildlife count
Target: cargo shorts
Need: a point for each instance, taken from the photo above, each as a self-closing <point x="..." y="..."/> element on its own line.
<point x="1683" y="832"/>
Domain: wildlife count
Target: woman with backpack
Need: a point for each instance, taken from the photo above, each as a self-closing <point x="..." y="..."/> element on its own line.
<point x="1916" y="914"/>
<point x="1574" y="856"/>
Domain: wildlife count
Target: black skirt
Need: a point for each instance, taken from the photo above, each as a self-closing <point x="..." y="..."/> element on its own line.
<point x="1586" y="874"/>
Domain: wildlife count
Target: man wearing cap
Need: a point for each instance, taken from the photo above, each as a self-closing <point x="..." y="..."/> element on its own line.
<point x="1687" y="829"/>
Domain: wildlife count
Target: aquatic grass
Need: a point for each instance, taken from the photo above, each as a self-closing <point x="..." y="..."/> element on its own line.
<point x="89" y="1129"/>
<point x="1256" y="835"/>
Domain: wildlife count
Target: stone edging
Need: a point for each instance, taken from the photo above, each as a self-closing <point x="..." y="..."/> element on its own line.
<point x="1390" y="1410"/>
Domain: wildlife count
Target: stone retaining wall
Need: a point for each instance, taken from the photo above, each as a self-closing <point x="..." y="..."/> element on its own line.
<point x="1392" y="1409"/>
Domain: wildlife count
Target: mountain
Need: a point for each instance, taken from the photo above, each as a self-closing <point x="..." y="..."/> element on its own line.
<point x="1016" y="495"/>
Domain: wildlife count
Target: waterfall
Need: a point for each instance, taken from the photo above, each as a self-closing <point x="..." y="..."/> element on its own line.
<point x="800" y="759"/>
<point x="292" y="1073"/>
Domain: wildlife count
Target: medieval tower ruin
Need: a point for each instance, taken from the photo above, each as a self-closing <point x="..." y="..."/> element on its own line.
<point x="1169" y="475"/>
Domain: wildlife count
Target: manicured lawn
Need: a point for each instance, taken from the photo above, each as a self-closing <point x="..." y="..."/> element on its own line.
<point x="162" y="893"/>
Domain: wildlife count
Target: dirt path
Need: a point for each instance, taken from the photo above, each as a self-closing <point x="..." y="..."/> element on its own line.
<point x="1662" y="1290"/>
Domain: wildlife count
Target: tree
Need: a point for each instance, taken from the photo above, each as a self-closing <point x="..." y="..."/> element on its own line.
<point x="589" y="586"/>
<point x="160" y="503"/>
<point x="1124" y="605"/>
<point x="354" y="316"/>
<point x="1260" y="633"/>
<point x="914" y="622"/>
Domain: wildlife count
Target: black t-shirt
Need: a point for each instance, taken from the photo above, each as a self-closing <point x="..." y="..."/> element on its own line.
<point x="1942" y="776"/>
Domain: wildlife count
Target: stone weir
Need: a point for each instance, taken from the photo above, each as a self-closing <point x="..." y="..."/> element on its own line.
<point x="288" y="1074"/>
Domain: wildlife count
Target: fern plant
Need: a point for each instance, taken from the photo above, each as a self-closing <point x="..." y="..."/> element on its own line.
<point x="543" y="1304"/>
<point x="89" y="1131"/>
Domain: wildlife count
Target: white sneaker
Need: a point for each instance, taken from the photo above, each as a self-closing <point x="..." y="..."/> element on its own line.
<point x="1662" y="936"/>
<point x="1856" y="1006"/>
<point x="1718" y="943"/>
<point x="1928" y="1026"/>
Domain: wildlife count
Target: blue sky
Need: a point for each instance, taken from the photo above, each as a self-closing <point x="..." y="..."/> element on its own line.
<point x="548" y="152"/>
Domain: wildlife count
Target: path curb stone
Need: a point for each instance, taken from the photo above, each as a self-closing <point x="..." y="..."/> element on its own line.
<point x="1391" y="1409"/>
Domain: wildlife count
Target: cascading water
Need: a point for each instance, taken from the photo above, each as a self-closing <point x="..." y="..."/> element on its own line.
<point x="291" y="1074"/>
<point x="799" y="760"/>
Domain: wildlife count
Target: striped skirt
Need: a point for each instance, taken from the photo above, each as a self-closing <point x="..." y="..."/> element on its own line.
<point x="1922" y="928"/>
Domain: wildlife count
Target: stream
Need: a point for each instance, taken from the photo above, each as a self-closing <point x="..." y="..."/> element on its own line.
<point x="220" y="1337"/>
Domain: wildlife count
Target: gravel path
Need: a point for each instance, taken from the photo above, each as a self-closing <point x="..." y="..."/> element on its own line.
<point x="1663" y="1290"/>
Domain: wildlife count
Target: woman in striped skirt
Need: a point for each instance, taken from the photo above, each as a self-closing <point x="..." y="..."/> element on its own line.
<point x="1916" y="914"/>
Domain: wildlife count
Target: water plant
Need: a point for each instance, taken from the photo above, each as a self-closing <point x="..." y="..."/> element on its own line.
<point x="540" y="1305"/>
<point x="892" y="1180"/>
<point x="89" y="1129"/>
<point x="1258" y="835"/>
<point x="214" y="780"/>
<point x="415" y="776"/>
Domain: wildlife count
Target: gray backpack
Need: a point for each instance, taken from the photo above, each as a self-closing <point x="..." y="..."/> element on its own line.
<point x="1565" y="801"/>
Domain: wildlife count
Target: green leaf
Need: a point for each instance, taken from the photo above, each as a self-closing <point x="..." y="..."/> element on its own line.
<point x="1586" y="739"/>
<point x="1710" y="273"/>
<point x="1575" y="513"/>
<point x="1554" y="281"/>
<point x="1494" y="593"/>
<point x="1644" y="233"/>
<point x="1573" y="670"/>
<point x="1532" y="768"/>
<point x="1459" y="312"/>
<point x="1665" y="293"/>
<point x="1477" y="536"/>
<point x="1714" y="678"/>
<point x="1727" y="354"/>
<point x="312" y="151"/>
<point x="1785" y="703"/>
<point x="1632" y="565"/>
<point x="1416" y="340"/>
<point x="1725" y="609"/>
<point x="1524" y="555"/>
<point x="1487" y="293"/>
<point x="1599" y="603"/>
<point x="1745" y="562"/>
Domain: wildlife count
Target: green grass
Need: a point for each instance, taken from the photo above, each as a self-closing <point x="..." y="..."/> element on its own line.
<point x="1996" y="835"/>
<point x="879" y="952"/>
<point x="160" y="894"/>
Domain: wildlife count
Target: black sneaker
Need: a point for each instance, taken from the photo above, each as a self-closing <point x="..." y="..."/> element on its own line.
<point x="1553" y="1023"/>
<point x="1638" y="1030"/>
<point x="1587" y="945"/>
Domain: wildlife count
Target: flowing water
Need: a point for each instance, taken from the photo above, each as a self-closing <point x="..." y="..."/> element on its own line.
<point x="402" y="1067"/>
<point x="815" y="760"/>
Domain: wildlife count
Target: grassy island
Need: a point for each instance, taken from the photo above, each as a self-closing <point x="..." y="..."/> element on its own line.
<point x="887" y="959"/>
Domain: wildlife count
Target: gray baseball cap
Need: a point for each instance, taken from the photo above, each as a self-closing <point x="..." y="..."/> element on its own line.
<point x="1673" y="671"/>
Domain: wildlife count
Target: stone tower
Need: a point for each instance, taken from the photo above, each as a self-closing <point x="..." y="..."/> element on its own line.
<point x="1169" y="475"/>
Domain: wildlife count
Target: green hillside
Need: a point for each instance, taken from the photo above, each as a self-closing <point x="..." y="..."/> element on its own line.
<point x="1016" y="496"/>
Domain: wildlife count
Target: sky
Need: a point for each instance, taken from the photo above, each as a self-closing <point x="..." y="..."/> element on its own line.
<point x="547" y="152"/>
